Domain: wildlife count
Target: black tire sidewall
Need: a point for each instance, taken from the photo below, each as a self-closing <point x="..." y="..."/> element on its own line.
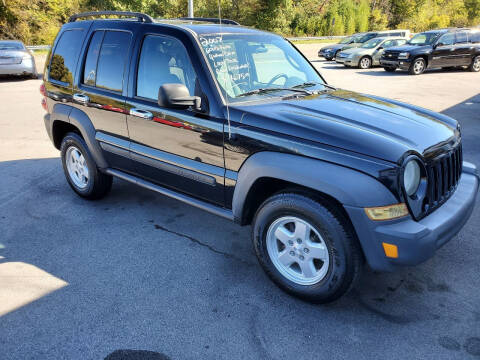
<point x="73" y="139"/>
<point x="327" y="226"/>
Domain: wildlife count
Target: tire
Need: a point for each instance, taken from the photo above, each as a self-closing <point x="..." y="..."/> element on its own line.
<point x="330" y="239"/>
<point x="81" y="170"/>
<point x="417" y="67"/>
<point x="365" y="63"/>
<point x="390" y="69"/>
<point x="475" y="65"/>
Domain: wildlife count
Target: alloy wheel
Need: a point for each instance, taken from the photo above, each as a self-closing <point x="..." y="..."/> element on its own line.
<point x="77" y="167"/>
<point x="297" y="250"/>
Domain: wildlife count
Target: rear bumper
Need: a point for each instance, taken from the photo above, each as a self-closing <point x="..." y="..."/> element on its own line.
<point x="25" y="67"/>
<point x="416" y="241"/>
<point x="48" y="126"/>
<point x="397" y="64"/>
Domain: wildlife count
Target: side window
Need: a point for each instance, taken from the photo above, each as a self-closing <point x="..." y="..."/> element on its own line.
<point x="447" y="39"/>
<point x="65" y="56"/>
<point x="400" y="42"/>
<point x="111" y="60"/>
<point x="388" y="44"/>
<point x="90" y="69"/>
<point x="163" y="60"/>
<point x="475" y="37"/>
<point x="462" y="37"/>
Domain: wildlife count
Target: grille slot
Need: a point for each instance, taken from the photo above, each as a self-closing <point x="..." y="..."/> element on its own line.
<point x="443" y="175"/>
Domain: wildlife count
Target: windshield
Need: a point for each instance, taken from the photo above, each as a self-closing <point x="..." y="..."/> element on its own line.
<point x="370" y="44"/>
<point x="11" y="46"/>
<point x="424" y="39"/>
<point x="243" y="63"/>
<point x="365" y="38"/>
<point x="346" y="40"/>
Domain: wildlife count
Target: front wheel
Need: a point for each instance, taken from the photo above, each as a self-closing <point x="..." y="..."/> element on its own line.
<point x="81" y="170"/>
<point x="306" y="248"/>
<point x="365" y="63"/>
<point x="417" y="67"/>
<point x="475" y="65"/>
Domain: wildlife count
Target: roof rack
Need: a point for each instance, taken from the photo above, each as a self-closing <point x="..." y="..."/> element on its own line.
<point x="212" y="20"/>
<point x="140" y="16"/>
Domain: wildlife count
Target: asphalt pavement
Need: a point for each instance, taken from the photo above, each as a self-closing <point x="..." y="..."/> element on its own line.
<point x="141" y="276"/>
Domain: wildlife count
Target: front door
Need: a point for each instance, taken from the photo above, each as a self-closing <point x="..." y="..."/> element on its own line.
<point x="464" y="48"/>
<point x="444" y="52"/>
<point x="180" y="149"/>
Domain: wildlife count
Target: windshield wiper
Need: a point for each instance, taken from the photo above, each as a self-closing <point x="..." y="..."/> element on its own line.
<point x="311" y="83"/>
<point x="266" y="90"/>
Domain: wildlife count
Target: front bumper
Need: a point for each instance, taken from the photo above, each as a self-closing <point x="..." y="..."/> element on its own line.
<point x="416" y="241"/>
<point x="24" y="68"/>
<point x="326" y="55"/>
<point x="397" y="64"/>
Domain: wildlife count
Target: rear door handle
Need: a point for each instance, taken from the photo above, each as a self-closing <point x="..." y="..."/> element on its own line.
<point x="83" y="99"/>
<point x="141" y="114"/>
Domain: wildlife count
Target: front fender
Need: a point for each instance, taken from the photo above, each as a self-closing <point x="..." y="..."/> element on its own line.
<point x="348" y="186"/>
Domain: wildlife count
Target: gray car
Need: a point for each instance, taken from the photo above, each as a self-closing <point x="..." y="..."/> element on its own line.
<point x="16" y="59"/>
<point x="369" y="53"/>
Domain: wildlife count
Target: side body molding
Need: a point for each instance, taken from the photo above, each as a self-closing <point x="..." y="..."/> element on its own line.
<point x="349" y="187"/>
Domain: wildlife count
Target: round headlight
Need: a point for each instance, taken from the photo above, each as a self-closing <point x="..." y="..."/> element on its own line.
<point x="411" y="177"/>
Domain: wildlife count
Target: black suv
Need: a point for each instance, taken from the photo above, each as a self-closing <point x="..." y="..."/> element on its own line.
<point x="237" y="122"/>
<point x="446" y="48"/>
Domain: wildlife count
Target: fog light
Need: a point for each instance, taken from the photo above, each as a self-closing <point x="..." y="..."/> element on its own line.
<point x="387" y="212"/>
<point x="391" y="250"/>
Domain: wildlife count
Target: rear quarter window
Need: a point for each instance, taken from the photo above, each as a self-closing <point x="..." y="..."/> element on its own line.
<point x="65" y="56"/>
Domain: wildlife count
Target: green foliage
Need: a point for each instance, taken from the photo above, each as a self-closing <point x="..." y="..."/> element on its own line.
<point x="38" y="21"/>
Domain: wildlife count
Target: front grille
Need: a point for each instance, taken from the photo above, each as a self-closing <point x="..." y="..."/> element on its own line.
<point x="443" y="174"/>
<point x="390" y="55"/>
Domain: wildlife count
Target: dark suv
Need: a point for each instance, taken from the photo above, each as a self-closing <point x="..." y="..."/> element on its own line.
<point x="237" y="122"/>
<point x="446" y="48"/>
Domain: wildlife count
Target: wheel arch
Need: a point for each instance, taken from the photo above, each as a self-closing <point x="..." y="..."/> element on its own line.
<point x="265" y="173"/>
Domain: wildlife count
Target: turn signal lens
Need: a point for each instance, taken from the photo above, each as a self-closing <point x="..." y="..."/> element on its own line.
<point x="387" y="212"/>
<point x="391" y="250"/>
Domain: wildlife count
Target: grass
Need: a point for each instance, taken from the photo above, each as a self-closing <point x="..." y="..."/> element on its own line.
<point x="40" y="52"/>
<point x="315" y="41"/>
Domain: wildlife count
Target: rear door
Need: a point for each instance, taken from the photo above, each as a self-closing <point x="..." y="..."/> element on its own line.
<point x="464" y="48"/>
<point x="179" y="148"/>
<point x="101" y="89"/>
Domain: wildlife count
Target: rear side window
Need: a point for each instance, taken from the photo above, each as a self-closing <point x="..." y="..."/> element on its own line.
<point x="65" y="56"/>
<point x="106" y="58"/>
<point x="475" y="37"/>
<point x="462" y="37"/>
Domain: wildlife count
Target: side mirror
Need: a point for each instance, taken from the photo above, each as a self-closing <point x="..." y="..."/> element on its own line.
<point x="438" y="44"/>
<point x="380" y="48"/>
<point x="177" y="96"/>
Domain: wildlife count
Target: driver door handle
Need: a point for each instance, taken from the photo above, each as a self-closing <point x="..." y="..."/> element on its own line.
<point x="141" y="114"/>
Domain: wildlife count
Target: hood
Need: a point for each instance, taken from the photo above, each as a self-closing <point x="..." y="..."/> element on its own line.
<point x="333" y="47"/>
<point x="354" y="50"/>
<point x="356" y="122"/>
<point x="352" y="45"/>
<point x="408" y="48"/>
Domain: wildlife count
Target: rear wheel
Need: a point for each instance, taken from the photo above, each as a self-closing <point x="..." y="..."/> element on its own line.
<point x="307" y="249"/>
<point x="390" y="69"/>
<point x="417" y="67"/>
<point x="475" y="65"/>
<point x="365" y="63"/>
<point x="80" y="169"/>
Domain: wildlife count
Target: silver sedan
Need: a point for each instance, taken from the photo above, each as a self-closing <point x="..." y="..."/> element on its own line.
<point x="16" y="59"/>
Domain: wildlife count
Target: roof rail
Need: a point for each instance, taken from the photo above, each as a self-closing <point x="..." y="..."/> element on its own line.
<point x="140" y="16"/>
<point x="212" y="20"/>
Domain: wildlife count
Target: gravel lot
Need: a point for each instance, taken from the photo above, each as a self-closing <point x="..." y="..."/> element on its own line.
<point x="140" y="276"/>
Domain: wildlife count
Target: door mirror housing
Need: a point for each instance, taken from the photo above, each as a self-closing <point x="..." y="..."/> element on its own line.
<point x="380" y="48"/>
<point x="438" y="44"/>
<point x="177" y="96"/>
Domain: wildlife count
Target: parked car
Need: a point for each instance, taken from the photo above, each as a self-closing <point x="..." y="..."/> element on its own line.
<point x="330" y="52"/>
<point x="442" y="48"/>
<point x="194" y="110"/>
<point x="369" y="53"/>
<point x="16" y="59"/>
<point x="374" y="34"/>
